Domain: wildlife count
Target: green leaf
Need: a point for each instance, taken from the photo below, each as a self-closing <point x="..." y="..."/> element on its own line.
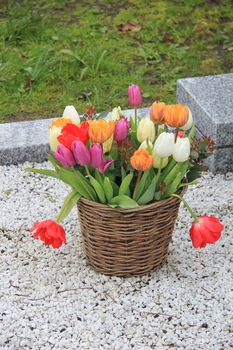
<point x="123" y="173"/>
<point x="171" y="175"/>
<point x="142" y="184"/>
<point x="123" y="201"/>
<point x="99" y="177"/>
<point x="174" y="185"/>
<point x="166" y="171"/>
<point x="108" y="190"/>
<point x="98" y="188"/>
<point x="149" y="194"/>
<point x="54" y="161"/>
<point x="192" y="133"/>
<point x="70" y="201"/>
<point x="115" y="188"/>
<point x="46" y="172"/>
<point x="124" y="187"/>
<point x="78" y="182"/>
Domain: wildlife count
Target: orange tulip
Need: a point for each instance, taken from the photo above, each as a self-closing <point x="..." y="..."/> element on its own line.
<point x="141" y="160"/>
<point x="157" y="112"/>
<point x="101" y="130"/>
<point x="176" y="115"/>
<point x="61" y="122"/>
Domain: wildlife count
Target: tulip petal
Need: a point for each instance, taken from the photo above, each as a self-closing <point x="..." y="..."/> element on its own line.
<point x="106" y="164"/>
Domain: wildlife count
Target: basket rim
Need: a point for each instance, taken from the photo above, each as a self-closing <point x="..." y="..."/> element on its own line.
<point x="153" y="205"/>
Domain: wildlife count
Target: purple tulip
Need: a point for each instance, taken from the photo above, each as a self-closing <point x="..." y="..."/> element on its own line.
<point x="97" y="158"/>
<point x="81" y="153"/>
<point x="134" y="94"/>
<point x="64" y="156"/>
<point x="121" y="130"/>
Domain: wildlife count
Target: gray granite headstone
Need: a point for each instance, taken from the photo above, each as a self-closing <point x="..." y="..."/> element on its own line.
<point x="210" y="99"/>
<point x="28" y="140"/>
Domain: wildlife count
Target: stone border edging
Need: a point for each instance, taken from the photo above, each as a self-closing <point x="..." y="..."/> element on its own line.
<point x="28" y="140"/>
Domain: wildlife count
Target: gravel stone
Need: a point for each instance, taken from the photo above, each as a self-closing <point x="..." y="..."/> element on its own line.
<point x="50" y="299"/>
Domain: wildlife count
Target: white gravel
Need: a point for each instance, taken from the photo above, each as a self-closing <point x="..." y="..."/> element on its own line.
<point x="50" y="299"/>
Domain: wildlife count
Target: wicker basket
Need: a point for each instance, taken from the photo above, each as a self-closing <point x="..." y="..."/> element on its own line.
<point x="127" y="242"/>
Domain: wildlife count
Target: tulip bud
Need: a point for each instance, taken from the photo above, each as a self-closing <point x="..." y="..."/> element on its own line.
<point x="81" y="153"/>
<point x="116" y="114"/>
<point x="96" y="153"/>
<point x="71" y="113"/>
<point x="64" y="156"/>
<point x="134" y="94"/>
<point x="97" y="158"/>
<point x="181" y="151"/>
<point x="147" y="146"/>
<point x="157" y="112"/>
<point x="146" y="130"/>
<point x="189" y="123"/>
<point x="164" y="144"/>
<point x="121" y="130"/>
<point x="54" y="132"/>
<point x="159" y="162"/>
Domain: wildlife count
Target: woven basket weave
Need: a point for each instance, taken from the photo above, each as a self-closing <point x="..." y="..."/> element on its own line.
<point x="127" y="242"/>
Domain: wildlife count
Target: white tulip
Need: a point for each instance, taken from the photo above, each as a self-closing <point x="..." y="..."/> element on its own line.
<point x="181" y="150"/>
<point x="54" y="132"/>
<point x="146" y="130"/>
<point x="71" y="113"/>
<point x="159" y="162"/>
<point x="115" y="114"/>
<point x="189" y="123"/>
<point x="146" y="145"/>
<point x="164" y="144"/>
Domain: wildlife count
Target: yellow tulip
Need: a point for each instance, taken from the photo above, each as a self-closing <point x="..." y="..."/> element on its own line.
<point x="146" y="130"/>
<point x="159" y="162"/>
<point x="54" y="132"/>
<point x="107" y="145"/>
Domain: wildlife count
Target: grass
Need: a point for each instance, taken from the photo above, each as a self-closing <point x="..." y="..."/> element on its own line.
<point x="56" y="52"/>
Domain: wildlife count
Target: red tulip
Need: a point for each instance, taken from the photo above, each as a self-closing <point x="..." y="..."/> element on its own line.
<point x="50" y="232"/>
<point x="207" y="230"/>
<point x="71" y="133"/>
<point x="134" y="94"/>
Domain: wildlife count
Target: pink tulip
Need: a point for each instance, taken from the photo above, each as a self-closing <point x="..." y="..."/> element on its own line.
<point x="96" y="153"/>
<point x="106" y="164"/>
<point x="64" y="156"/>
<point x="134" y="94"/>
<point x="121" y="130"/>
<point x="81" y="153"/>
<point x="97" y="158"/>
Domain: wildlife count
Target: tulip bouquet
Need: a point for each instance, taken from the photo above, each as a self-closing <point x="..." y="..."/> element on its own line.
<point x="126" y="163"/>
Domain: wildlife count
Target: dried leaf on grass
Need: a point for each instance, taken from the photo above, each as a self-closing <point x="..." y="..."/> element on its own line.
<point x="129" y="27"/>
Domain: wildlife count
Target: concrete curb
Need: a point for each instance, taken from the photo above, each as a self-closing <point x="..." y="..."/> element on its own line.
<point x="28" y="140"/>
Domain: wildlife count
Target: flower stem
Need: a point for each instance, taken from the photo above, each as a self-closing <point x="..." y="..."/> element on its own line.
<point x="87" y="170"/>
<point x="194" y="216"/>
<point x="137" y="183"/>
<point x="156" y="129"/>
<point x="176" y="134"/>
<point x="135" y="117"/>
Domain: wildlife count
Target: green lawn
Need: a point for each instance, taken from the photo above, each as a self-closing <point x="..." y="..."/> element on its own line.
<point x="56" y="52"/>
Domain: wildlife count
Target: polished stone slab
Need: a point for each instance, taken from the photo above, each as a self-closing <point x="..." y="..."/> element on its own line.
<point x="210" y="99"/>
<point x="28" y="140"/>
